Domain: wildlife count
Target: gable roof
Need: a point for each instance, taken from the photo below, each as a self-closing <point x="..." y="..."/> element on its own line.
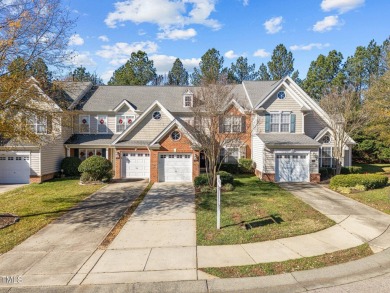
<point x="73" y="91"/>
<point x="107" y="98"/>
<point x="258" y="90"/>
<point x="142" y="117"/>
<point x="175" y="123"/>
<point x="123" y="103"/>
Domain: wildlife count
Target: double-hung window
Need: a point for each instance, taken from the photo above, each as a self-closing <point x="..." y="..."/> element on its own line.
<point x="280" y="122"/>
<point x="230" y="155"/>
<point x="102" y="124"/>
<point x="326" y="157"/>
<point x="123" y="121"/>
<point x="232" y="124"/>
<point x="84" y="123"/>
<point x="38" y="124"/>
<point x="187" y="101"/>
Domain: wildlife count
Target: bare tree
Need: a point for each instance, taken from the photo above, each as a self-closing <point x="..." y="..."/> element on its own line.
<point x="219" y="123"/>
<point x="346" y="117"/>
<point x="30" y="30"/>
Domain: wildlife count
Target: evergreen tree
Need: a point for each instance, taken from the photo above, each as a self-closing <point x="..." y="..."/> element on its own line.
<point x="263" y="72"/>
<point x="210" y="68"/>
<point x="178" y="75"/>
<point x="241" y="70"/>
<point x="138" y="70"/>
<point x="41" y="73"/>
<point x="281" y="64"/>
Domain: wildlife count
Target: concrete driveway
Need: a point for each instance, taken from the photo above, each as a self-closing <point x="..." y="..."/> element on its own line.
<point x="9" y="187"/>
<point x="57" y="252"/>
<point x="158" y="243"/>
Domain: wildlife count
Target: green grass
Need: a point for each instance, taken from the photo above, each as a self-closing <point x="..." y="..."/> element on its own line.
<point x="376" y="198"/>
<point x="37" y="205"/>
<point x="306" y="263"/>
<point x="254" y="200"/>
<point x="374" y="168"/>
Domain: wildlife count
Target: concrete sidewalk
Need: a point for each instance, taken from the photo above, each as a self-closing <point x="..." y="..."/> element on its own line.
<point x="158" y="243"/>
<point x="57" y="252"/>
<point x="356" y="224"/>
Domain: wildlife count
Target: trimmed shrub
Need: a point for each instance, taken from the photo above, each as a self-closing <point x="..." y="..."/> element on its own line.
<point x="228" y="187"/>
<point x="85" y="177"/>
<point x="70" y="166"/>
<point x="225" y="177"/>
<point x="324" y="173"/>
<point x="245" y="165"/>
<point x="98" y="168"/>
<point x="369" y="181"/>
<point x="230" y="168"/>
<point x="201" y="180"/>
<point x="351" y="170"/>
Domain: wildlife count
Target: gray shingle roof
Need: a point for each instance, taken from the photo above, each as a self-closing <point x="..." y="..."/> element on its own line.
<point x="133" y="143"/>
<point x="287" y="139"/>
<point x="258" y="90"/>
<point x="106" y="98"/>
<point x="92" y="139"/>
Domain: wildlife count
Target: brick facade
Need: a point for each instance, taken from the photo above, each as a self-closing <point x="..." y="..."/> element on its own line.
<point x="40" y="179"/>
<point x="270" y="177"/>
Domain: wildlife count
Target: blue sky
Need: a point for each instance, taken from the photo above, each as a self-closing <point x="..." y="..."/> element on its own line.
<point x="107" y="32"/>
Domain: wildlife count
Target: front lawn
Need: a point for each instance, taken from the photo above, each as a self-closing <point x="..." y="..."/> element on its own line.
<point x="255" y="201"/>
<point x="374" y="168"/>
<point x="376" y="198"/>
<point x="305" y="263"/>
<point x="37" y="205"/>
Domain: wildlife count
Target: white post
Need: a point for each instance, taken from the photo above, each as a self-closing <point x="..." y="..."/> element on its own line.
<point x="218" y="202"/>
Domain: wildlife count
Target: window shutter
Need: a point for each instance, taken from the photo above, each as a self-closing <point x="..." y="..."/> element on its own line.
<point x="243" y="152"/>
<point x="221" y="154"/>
<point x="243" y="124"/>
<point x="220" y="124"/>
<point x="267" y="122"/>
<point x="49" y="125"/>
<point x="103" y="153"/>
<point x="292" y="123"/>
<point x="76" y="153"/>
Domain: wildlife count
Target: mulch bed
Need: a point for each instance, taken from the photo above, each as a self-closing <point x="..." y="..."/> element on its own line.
<point x="8" y="220"/>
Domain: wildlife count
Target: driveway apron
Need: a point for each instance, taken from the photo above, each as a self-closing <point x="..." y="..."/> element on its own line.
<point x="57" y="252"/>
<point x="158" y="243"/>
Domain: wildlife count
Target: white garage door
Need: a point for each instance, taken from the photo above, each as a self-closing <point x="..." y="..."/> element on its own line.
<point x="135" y="165"/>
<point x="292" y="168"/>
<point x="14" y="168"/>
<point x="175" y="167"/>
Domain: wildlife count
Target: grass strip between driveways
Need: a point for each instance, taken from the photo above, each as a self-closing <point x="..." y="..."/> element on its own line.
<point x="123" y="220"/>
<point x="272" y="212"/>
<point x="37" y="205"/>
<point x="301" y="264"/>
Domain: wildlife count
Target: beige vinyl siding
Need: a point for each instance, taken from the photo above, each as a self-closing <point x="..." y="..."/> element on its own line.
<point x="257" y="153"/>
<point x="286" y="104"/>
<point x="35" y="163"/>
<point x="269" y="162"/>
<point x="314" y="161"/>
<point x="149" y="128"/>
<point x="111" y="123"/>
<point x="313" y="124"/>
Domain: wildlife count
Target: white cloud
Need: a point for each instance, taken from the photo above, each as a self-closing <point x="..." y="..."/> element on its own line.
<point x="104" y="38"/>
<point x="82" y="58"/>
<point x="163" y="63"/>
<point x="327" y="24"/>
<point x="177" y="34"/>
<point x="341" y="5"/>
<point x="273" y="25"/>
<point x="107" y="75"/>
<point x="245" y="2"/>
<point x="309" y="47"/>
<point x="119" y="53"/>
<point x="164" y="13"/>
<point x="230" y="54"/>
<point x="76" y="40"/>
<point x="262" y="53"/>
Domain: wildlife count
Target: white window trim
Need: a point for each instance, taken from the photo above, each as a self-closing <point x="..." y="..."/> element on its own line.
<point x="34" y="123"/>
<point x="191" y="102"/>
<point x="226" y="157"/>
<point x="280" y="113"/>
<point x="80" y="123"/>
<point x="126" y="117"/>
<point x="331" y="156"/>
<point x="90" y="150"/>
<point x="232" y="119"/>
<point x="105" y="117"/>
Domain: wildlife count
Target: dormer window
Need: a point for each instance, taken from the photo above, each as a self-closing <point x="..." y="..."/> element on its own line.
<point x="188" y="101"/>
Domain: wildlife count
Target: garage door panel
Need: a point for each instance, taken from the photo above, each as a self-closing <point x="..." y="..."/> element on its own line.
<point x="175" y="167"/>
<point x="135" y="165"/>
<point x="14" y="169"/>
<point x="292" y="168"/>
